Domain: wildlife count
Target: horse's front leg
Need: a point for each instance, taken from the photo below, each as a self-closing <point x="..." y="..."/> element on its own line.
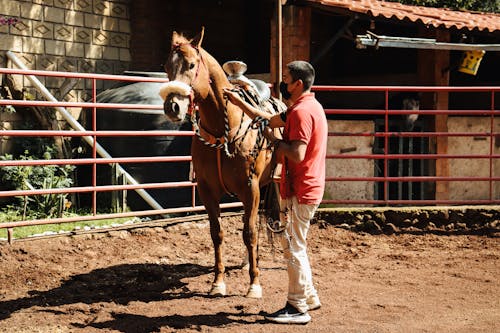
<point x="250" y="237"/>
<point x="213" y="210"/>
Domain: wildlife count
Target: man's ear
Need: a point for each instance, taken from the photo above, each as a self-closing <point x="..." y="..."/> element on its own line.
<point x="196" y="41"/>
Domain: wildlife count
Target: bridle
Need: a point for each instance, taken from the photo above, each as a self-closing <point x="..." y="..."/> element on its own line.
<point x="207" y="138"/>
<point x="193" y="105"/>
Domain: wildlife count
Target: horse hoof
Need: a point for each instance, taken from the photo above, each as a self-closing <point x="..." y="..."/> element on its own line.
<point x="218" y="289"/>
<point x="255" y="291"/>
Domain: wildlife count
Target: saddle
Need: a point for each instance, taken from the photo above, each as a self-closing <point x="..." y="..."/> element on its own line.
<point x="255" y="91"/>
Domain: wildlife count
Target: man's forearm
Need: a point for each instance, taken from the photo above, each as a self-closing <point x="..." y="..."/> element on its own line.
<point x="252" y="111"/>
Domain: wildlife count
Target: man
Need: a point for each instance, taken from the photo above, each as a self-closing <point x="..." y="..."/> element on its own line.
<point x="302" y="153"/>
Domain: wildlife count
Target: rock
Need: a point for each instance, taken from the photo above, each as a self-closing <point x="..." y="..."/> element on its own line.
<point x="98" y="235"/>
<point x="431" y="226"/>
<point x="413" y="229"/>
<point x="83" y="236"/>
<point x="494" y="224"/>
<point x="406" y="223"/>
<point x="372" y="226"/>
<point x="322" y="224"/>
<point x="390" y="228"/>
<point x="380" y="217"/>
<point x="144" y="231"/>
<point x="122" y="234"/>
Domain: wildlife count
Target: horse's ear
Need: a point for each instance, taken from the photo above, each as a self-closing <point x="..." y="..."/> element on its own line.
<point x="196" y="41"/>
<point x="175" y="37"/>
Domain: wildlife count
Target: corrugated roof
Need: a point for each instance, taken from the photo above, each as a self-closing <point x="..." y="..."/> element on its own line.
<point x="436" y="17"/>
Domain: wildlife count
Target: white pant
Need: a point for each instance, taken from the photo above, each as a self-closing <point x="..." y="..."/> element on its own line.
<point x="293" y="240"/>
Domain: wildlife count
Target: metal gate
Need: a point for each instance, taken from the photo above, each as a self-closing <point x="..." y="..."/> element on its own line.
<point x="402" y="167"/>
<point x="403" y="175"/>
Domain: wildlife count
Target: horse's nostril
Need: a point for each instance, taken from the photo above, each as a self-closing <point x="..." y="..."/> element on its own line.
<point x="175" y="107"/>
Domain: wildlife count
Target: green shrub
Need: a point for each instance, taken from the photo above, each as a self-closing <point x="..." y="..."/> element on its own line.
<point x="37" y="177"/>
<point x="474" y="5"/>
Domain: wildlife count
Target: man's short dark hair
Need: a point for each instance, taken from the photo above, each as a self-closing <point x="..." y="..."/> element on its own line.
<point x="302" y="70"/>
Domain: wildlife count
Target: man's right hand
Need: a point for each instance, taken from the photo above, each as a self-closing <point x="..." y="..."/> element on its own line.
<point x="232" y="96"/>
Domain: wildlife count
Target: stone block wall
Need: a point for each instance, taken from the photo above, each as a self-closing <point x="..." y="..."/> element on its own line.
<point x="478" y="167"/>
<point x="89" y="36"/>
<point x="339" y="167"/>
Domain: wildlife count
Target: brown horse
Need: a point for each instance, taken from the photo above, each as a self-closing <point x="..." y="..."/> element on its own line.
<point x="227" y="157"/>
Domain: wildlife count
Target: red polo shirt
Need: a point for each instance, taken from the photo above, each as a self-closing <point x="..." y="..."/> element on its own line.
<point x="306" y="122"/>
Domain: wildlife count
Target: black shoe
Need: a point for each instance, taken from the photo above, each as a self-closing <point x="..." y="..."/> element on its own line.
<point x="289" y="315"/>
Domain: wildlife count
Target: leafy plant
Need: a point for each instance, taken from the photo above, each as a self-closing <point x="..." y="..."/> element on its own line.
<point x="474" y="5"/>
<point x="31" y="177"/>
<point x="7" y="20"/>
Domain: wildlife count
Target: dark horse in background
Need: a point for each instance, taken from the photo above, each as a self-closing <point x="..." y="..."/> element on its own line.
<point x="229" y="153"/>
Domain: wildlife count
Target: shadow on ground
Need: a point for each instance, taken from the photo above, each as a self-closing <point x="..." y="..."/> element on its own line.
<point x="128" y="323"/>
<point x="119" y="284"/>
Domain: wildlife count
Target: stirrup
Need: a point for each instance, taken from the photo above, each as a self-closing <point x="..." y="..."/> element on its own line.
<point x="275" y="226"/>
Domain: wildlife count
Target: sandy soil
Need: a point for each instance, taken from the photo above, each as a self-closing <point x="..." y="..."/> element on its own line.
<point x="157" y="279"/>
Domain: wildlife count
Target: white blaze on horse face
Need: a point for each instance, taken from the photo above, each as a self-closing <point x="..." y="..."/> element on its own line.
<point x="174" y="87"/>
<point x="177" y="99"/>
<point x="410" y="104"/>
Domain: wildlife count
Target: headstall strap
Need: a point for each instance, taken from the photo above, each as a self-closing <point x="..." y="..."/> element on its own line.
<point x="192" y="105"/>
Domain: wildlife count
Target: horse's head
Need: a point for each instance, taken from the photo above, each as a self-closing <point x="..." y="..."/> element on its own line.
<point x="188" y="75"/>
<point x="410" y="103"/>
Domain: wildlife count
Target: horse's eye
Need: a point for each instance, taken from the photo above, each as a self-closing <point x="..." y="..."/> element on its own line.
<point x="191" y="65"/>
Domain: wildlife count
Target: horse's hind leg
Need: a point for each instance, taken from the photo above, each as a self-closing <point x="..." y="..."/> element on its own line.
<point x="217" y="234"/>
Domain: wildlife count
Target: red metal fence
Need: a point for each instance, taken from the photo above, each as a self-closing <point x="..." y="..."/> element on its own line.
<point x="389" y="175"/>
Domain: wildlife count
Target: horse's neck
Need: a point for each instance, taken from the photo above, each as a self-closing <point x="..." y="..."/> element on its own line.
<point x="213" y="108"/>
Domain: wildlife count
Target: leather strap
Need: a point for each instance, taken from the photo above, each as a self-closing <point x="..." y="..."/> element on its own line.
<point x="210" y="138"/>
<point x="219" y="168"/>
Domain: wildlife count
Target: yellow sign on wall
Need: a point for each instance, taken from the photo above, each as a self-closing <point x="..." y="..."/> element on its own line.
<point x="470" y="61"/>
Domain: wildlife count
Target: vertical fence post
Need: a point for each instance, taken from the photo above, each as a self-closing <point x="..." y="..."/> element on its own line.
<point x="119" y="197"/>
<point x="492" y="144"/>
<point x="386" y="147"/>
<point x="94" y="148"/>
<point x="10" y="235"/>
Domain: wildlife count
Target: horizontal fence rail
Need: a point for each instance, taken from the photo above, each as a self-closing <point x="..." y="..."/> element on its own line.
<point x="396" y="167"/>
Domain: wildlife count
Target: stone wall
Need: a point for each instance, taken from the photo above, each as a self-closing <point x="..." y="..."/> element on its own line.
<point x="90" y="36"/>
<point x="349" y="167"/>
<point x="445" y="220"/>
<point x="478" y="167"/>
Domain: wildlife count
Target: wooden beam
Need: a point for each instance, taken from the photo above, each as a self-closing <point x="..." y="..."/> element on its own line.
<point x="296" y="34"/>
<point x="370" y="39"/>
<point x="432" y="71"/>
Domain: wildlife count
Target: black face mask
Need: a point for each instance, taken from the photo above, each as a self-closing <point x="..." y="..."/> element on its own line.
<point x="284" y="90"/>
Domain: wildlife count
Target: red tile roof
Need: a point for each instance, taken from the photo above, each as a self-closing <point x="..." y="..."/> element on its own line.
<point x="436" y="17"/>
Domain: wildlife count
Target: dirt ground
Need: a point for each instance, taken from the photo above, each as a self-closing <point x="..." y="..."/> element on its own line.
<point x="157" y="279"/>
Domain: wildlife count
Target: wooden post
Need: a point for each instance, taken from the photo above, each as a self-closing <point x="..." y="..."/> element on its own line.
<point x="118" y="198"/>
<point x="433" y="70"/>
<point x="10" y="235"/>
<point x="296" y="35"/>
